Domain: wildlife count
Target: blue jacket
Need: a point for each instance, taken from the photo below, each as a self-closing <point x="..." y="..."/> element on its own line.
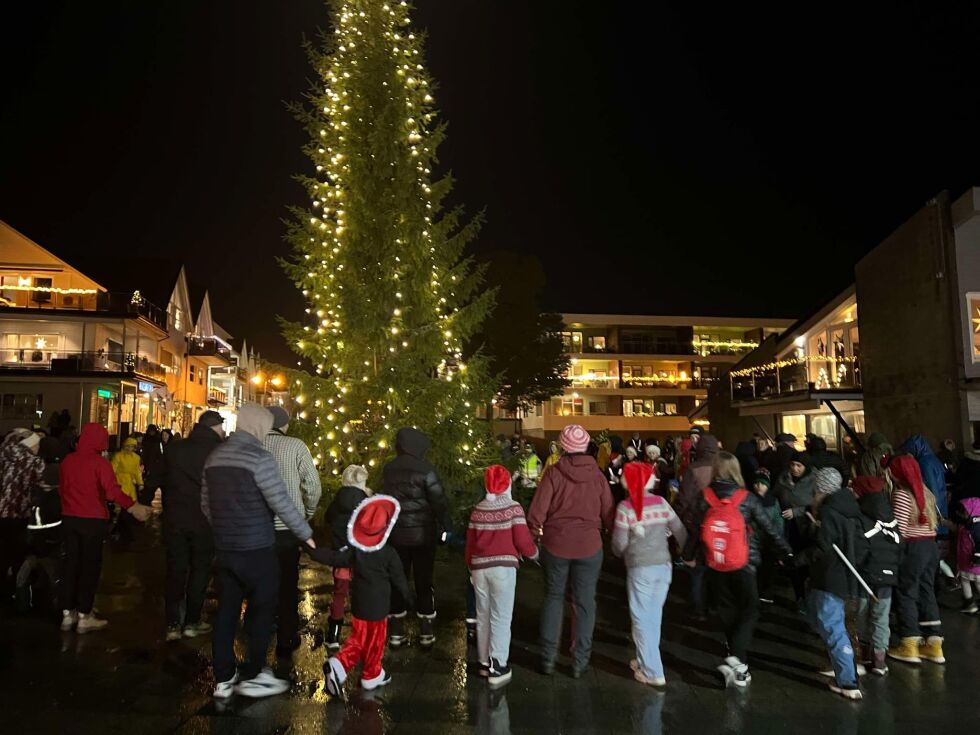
<point x="933" y="472"/>
<point x="242" y="492"/>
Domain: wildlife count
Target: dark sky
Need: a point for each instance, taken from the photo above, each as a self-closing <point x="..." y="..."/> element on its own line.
<point x="657" y="157"/>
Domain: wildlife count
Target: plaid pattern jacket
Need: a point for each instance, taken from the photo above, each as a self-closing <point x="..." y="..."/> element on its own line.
<point x="298" y="472"/>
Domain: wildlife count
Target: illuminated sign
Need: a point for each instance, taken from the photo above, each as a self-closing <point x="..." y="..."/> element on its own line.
<point x="145" y="387"/>
<point x="104" y="393"/>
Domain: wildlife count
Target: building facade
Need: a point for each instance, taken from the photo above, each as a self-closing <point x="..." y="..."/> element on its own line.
<point x="643" y="373"/>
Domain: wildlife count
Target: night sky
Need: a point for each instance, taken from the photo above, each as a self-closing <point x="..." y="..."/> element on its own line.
<point x="657" y="157"/>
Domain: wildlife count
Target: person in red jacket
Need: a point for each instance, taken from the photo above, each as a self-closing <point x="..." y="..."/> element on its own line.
<point x="496" y="540"/>
<point x="87" y="483"/>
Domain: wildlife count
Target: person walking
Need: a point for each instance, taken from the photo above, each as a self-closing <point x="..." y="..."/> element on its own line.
<point x="242" y="491"/>
<point x="126" y="465"/>
<point x="644" y="522"/>
<point x="697" y="477"/>
<point x="496" y="540"/>
<point x="21" y="471"/>
<point x="570" y="509"/>
<point x="86" y="482"/>
<point x="151" y="452"/>
<point x="187" y="536"/>
<point x="796" y="490"/>
<point x="353" y="491"/>
<point x="723" y="517"/>
<point x="919" y="627"/>
<point x="832" y="583"/>
<point x="303" y="484"/>
<point x="424" y="521"/>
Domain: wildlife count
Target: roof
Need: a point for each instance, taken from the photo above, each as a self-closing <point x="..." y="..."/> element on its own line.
<point x="661" y="320"/>
<point x="154" y="278"/>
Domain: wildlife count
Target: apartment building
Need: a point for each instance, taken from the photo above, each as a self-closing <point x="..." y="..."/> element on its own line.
<point x="644" y="373"/>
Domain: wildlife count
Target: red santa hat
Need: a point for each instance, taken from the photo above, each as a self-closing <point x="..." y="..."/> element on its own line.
<point x="496" y="479"/>
<point x="636" y="477"/>
<point x="371" y="522"/>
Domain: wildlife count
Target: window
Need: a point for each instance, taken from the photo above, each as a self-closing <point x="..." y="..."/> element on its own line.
<point x="598" y="408"/>
<point x="572" y="341"/>
<point x="192" y="373"/>
<point x="41" y="296"/>
<point x="825" y="426"/>
<point x="670" y="409"/>
<point x="597" y="344"/>
<point x="9" y="294"/>
<point x="200" y="376"/>
<point x="176" y="316"/>
<point x="21" y="405"/>
<point x="568" y="406"/>
<point x="795" y="424"/>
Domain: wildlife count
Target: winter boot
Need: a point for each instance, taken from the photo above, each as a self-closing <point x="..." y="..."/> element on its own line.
<point x="396" y="630"/>
<point x="907" y="651"/>
<point x="879" y="664"/>
<point x="427" y="630"/>
<point x="932" y="649"/>
<point x="333" y="634"/>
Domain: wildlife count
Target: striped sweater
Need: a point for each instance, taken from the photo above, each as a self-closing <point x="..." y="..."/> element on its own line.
<point x="907" y="515"/>
<point x="498" y="535"/>
<point x="242" y="491"/>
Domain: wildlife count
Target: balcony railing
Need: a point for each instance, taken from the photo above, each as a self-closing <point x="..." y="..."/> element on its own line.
<point x="105" y="302"/>
<point x="217" y="397"/>
<point x="60" y="362"/>
<point x="208" y="347"/>
<point x="792" y="377"/>
<point x="648" y="383"/>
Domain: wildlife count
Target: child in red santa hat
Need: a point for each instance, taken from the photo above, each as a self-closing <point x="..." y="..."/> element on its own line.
<point x="376" y="569"/>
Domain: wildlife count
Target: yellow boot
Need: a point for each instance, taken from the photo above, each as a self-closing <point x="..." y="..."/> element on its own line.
<point x="907" y="650"/>
<point x="932" y="650"/>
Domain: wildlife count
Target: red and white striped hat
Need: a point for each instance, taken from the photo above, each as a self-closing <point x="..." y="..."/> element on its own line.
<point x="371" y="522"/>
<point x="574" y="439"/>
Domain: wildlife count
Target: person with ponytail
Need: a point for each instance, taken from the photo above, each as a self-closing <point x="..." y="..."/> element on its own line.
<point x="919" y="627"/>
<point x="643" y="524"/>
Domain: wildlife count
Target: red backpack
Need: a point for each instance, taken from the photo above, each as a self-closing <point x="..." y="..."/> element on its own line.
<point x="723" y="532"/>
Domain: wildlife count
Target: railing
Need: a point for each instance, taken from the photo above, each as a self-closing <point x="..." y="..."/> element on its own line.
<point x="62" y="362"/>
<point x="134" y="305"/>
<point x="217" y="396"/>
<point x="123" y="304"/>
<point x="789" y="377"/>
<point x="208" y="347"/>
<point x="639" y="383"/>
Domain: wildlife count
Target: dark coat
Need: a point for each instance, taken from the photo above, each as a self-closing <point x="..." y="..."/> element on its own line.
<point x="967" y="481"/>
<point x="884" y="551"/>
<point x="757" y="523"/>
<point x="375" y="573"/>
<point x="179" y="475"/>
<point x="413" y="482"/>
<point x="339" y="512"/>
<point x="777" y="460"/>
<point x="151" y="453"/>
<point x="841" y="523"/>
<point x="696" y="478"/>
<point x="821" y="457"/>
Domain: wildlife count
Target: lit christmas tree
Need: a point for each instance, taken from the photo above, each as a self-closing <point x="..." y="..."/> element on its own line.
<point x="392" y="300"/>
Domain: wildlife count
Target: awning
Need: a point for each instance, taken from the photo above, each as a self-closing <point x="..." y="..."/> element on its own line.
<point x="803" y="402"/>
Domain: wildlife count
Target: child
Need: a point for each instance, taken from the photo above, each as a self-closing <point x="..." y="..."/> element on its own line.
<point x="126" y="465"/>
<point x="967" y="514"/>
<point x="351" y="494"/>
<point x="376" y="569"/>
<point x="643" y="523"/>
<point x="761" y="486"/>
<point x="880" y="570"/>
<point x="496" y="540"/>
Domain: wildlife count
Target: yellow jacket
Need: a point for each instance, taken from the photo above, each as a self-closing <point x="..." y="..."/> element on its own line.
<point x="126" y="465"/>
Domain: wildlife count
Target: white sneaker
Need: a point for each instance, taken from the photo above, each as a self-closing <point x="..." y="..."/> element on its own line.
<point x="335" y="675"/>
<point x="263" y="684"/>
<point x="224" y="689"/>
<point x="852" y="693"/>
<point x="383" y="679"/>
<point x="89" y="623"/>
<point x="69" y="619"/>
<point x="861" y="671"/>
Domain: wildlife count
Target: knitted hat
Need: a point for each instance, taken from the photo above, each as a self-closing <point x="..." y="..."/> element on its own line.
<point x="211" y="418"/>
<point x="371" y="522"/>
<point x="905" y="471"/>
<point x="762" y="476"/>
<point x="636" y="477"/>
<point x="31" y="441"/>
<point x="696" y="430"/>
<point x="496" y="479"/>
<point x="785" y="437"/>
<point x="279" y="416"/>
<point x="866" y="485"/>
<point x="574" y="439"/>
<point x="828" y="480"/>
<point x="652" y="451"/>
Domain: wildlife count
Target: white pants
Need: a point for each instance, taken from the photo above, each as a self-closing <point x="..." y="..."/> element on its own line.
<point x="494" y="588"/>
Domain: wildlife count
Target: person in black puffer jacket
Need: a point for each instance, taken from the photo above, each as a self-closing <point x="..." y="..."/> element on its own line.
<point x="353" y="492"/>
<point x="821" y="457"/>
<point x="735" y="594"/>
<point x="424" y="521"/>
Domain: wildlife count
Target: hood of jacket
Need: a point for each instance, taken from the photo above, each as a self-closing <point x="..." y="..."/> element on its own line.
<point x="412" y="442"/>
<point x="707" y="449"/>
<point x="94" y="438"/>
<point x="203" y="435"/>
<point x="724" y="488"/>
<point x="842" y="502"/>
<point x="877" y="439"/>
<point x="917" y="446"/>
<point x="876" y="506"/>
<point x="255" y="420"/>
<point x="577" y="467"/>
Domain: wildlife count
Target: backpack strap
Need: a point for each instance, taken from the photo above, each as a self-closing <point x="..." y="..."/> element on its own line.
<point x="738" y="496"/>
<point x="711" y="498"/>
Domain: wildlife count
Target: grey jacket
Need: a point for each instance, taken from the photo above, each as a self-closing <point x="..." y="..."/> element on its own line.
<point x="242" y="491"/>
<point x="648" y="547"/>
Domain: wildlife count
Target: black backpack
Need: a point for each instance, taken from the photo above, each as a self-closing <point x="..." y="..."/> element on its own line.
<point x="883" y="552"/>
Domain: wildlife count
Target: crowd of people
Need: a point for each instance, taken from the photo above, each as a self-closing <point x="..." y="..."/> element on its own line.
<point x="871" y="531"/>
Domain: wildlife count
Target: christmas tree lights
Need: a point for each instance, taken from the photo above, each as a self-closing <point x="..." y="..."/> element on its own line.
<point x="392" y="300"/>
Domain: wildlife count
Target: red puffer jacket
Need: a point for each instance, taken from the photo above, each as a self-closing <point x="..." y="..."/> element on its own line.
<point x="87" y="479"/>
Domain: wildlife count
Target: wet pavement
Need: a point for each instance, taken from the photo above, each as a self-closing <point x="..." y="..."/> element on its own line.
<point x="128" y="680"/>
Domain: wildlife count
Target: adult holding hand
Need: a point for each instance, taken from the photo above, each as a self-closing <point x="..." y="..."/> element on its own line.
<point x="570" y="508"/>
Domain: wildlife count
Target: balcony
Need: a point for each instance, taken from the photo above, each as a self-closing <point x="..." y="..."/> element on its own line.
<point x="209" y="350"/>
<point x="613" y="382"/>
<point x="791" y="378"/>
<point x="217" y="397"/>
<point x="122" y="364"/>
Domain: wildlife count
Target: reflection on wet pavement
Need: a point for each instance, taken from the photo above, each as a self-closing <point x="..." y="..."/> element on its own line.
<point x="127" y="679"/>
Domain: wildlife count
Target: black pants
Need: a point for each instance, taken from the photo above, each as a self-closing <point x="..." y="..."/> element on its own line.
<point x="422" y="560"/>
<point x="13" y="551"/>
<point x="238" y="576"/>
<point x="287" y="617"/>
<point x="735" y="598"/>
<point x="915" y="597"/>
<point x="189" y="555"/>
<point x="81" y="561"/>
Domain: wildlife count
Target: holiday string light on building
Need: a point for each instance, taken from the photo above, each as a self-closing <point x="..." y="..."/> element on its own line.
<point x="392" y="302"/>
<point x="789" y="362"/>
